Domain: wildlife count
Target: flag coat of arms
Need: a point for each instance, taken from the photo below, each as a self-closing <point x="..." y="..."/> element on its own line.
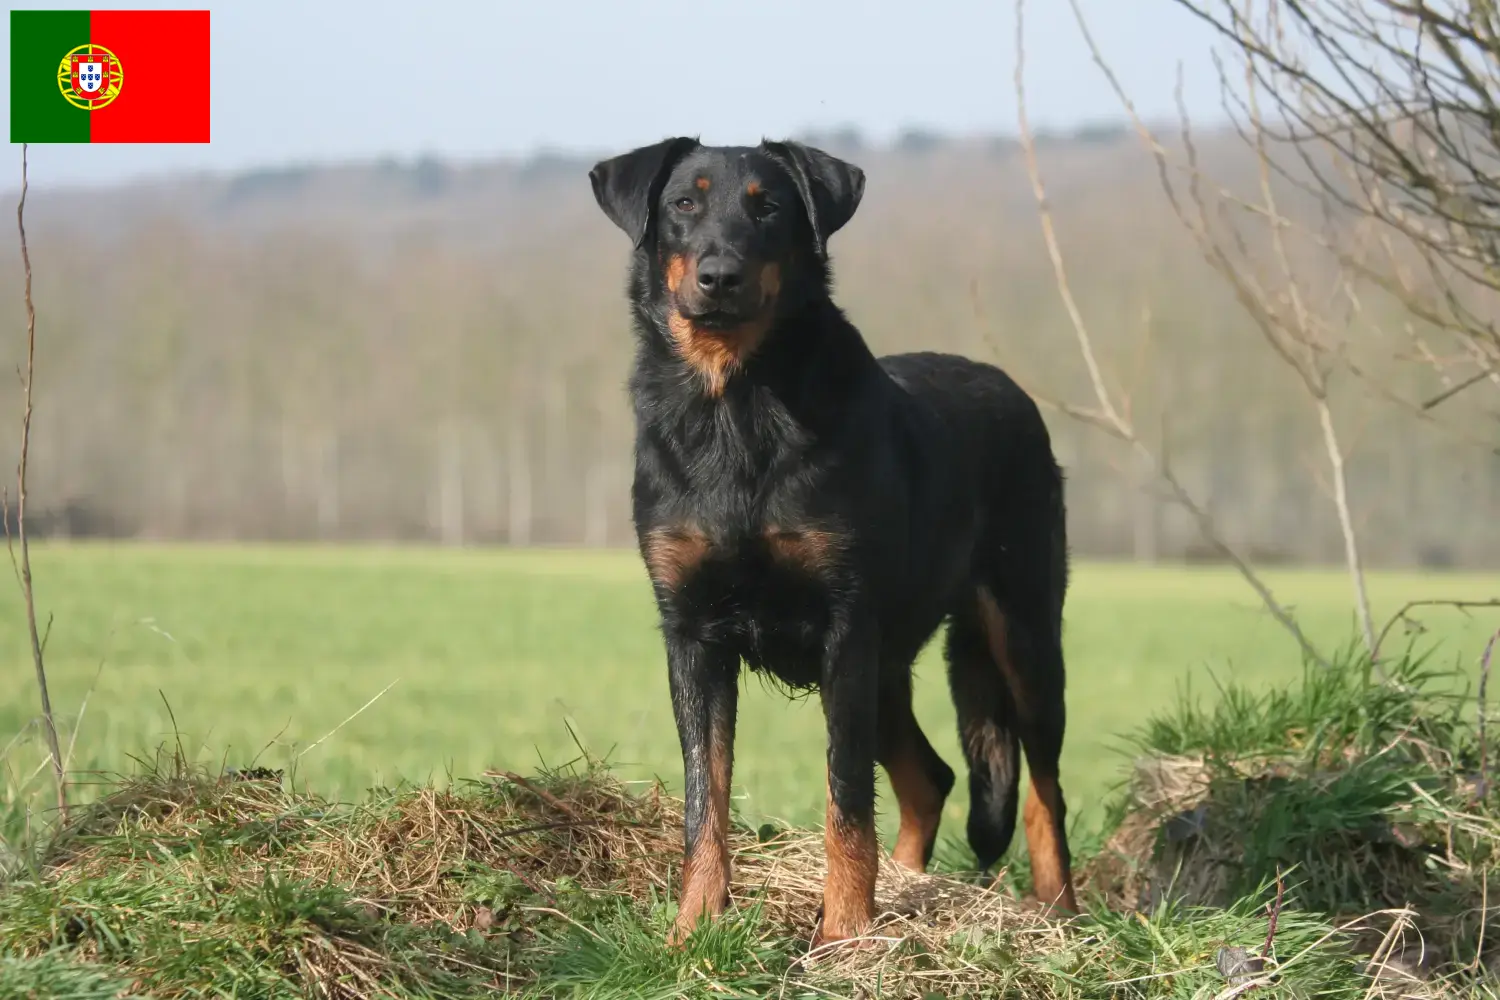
<point x="109" y="76"/>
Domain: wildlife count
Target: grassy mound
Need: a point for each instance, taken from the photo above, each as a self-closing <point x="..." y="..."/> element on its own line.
<point x="184" y="883"/>
<point x="1291" y="844"/>
<point x="1343" y="796"/>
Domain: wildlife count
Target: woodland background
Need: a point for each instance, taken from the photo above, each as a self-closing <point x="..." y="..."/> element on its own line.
<point x="430" y="351"/>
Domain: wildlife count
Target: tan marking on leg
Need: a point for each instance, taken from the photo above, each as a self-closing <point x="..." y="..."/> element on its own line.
<point x="1042" y="815"/>
<point x="1050" y="874"/>
<point x="849" y="889"/>
<point x="705" y="872"/>
<point x="921" y="805"/>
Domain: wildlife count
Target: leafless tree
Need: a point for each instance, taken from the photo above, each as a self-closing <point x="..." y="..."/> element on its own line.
<point x="1380" y="117"/>
<point x="1391" y="108"/>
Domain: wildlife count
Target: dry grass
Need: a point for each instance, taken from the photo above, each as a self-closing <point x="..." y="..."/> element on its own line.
<point x="183" y="882"/>
<point x="491" y="885"/>
<point x="414" y="857"/>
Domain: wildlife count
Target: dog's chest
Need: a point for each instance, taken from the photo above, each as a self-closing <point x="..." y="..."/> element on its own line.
<point x="766" y="591"/>
<point x="743" y="533"/>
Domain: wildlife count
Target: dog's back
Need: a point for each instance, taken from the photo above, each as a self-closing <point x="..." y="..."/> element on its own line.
<point x="998" y="430"/>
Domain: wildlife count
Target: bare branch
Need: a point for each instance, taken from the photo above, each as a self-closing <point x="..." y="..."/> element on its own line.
<point x="1402" y="97"/>
<point x="1085" y="343"/>
<point x="1482" y="789"/>
<point x="1346" y="522"/>
<point x="24" y="570"/>
<point x="1400" y="614"/>
<point x="1112" y="418"/>
<point x="1294" y="331"/>
<point x="1449" y="393"/>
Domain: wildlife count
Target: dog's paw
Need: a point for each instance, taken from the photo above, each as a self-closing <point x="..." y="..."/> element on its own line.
<point x="688" y="921"/>
<point x="838" y="936"/>
<point x="678" y="935"/>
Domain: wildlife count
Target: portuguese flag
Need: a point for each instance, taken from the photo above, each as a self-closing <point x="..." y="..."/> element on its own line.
<point x="109" y="76"/>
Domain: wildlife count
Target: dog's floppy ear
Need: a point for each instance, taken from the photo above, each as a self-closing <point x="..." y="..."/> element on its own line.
<point x="830" y="188"/>
<point x="627" y="186"/>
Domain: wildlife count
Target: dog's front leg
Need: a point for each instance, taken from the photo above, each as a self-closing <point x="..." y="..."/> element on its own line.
<point x="705" y="693"/>
<point x="850" y="686"/>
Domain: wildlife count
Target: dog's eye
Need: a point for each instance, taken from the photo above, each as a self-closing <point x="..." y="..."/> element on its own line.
<point x="764" y="210"/>
<point x="685" y="204"/>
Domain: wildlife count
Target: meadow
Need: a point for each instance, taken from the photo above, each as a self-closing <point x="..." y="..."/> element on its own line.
<point x="497" y="658"/>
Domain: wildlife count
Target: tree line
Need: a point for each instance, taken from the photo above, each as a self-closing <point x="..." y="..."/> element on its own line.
<point x="437" y="352"/>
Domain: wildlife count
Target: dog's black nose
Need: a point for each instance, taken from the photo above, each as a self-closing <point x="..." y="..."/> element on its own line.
<point x="719" y="275"/>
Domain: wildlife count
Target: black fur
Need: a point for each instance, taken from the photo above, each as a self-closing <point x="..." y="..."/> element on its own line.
<point x="824" y="511"/>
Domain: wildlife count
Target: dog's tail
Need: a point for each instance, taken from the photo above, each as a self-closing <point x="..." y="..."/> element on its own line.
<point x="986" y="724"/>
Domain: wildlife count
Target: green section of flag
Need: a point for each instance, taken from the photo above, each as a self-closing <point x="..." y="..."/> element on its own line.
<point x="38" y="41"/>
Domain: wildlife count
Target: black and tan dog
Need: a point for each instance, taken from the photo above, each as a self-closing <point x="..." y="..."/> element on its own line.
<point x="816" y="513"/>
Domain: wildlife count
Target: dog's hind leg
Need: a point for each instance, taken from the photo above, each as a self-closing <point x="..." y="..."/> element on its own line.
<point x="986" y="731"/>
<point x="919" y="777"/>
<point x="1026" y="646"/>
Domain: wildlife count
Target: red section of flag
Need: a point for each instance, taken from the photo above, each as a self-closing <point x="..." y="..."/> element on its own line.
<point x="164" y="61"/>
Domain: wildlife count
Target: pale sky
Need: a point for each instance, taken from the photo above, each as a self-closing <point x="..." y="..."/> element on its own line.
<point x="317" y="81"/>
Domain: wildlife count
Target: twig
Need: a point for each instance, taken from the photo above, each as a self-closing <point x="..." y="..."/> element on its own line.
<point x="1482" y="790"/>
<point x="1346" y="525"/>
<point x="1484" y="917"/>
<point x="1493" y="602"/>
<point x="1274" y="909"/>
<point x="1380" y="959"/>
<point x="1452" y="391"/>
<point x="540" y="793"/>
<point x="49" y="727"/>
<point x="1049" y="234"/>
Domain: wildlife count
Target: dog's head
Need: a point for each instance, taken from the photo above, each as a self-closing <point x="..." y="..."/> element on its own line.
<point x="730" y="236"/>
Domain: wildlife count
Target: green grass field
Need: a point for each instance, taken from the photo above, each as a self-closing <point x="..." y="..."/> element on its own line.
<point x="496" y="655"/>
